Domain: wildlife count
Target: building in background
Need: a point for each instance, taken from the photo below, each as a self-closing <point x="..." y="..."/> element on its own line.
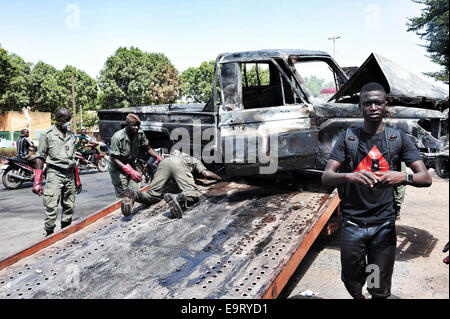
<point x="12" y="122"/>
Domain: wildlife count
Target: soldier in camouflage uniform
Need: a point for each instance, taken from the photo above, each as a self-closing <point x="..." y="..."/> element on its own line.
<point x="180" y="167"/>
<point x="399" y="194"/>
<point x="62" y="178"/>
<point x="127" y="145"/>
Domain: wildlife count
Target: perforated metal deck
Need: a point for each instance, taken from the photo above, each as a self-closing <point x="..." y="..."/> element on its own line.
<point x="240" y="241"/>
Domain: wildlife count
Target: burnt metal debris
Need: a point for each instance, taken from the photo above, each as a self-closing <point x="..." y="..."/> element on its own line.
<point x="282" y="120"/>
<point x="240" y="249"/>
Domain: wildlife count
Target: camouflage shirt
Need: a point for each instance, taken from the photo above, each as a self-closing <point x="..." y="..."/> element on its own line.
<point x="55" y="149"/>
<point x="195" y="165"/>
<point x="127" y="149"/>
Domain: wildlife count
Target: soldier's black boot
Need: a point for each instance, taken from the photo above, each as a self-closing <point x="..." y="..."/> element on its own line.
<point x="48" y="232"/>
<point x="127" y="202"/>
<point x="177" y="204"/>
<point x="65" y="224"/>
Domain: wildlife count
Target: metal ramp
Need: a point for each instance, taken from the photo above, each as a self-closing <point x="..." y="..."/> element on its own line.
<point x="240" y="241"/>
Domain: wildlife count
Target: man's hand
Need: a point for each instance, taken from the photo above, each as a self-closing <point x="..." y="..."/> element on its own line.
<point x="211" y="175"/>
<point x="364" y="177"/>
<point x="158" y="159"/>
<point x="391" y="177"/>
<point x="78" y="184"/>
<point x="135" y="175"/>
<point x="445" y="250"/>
<point x="37" y="185"/>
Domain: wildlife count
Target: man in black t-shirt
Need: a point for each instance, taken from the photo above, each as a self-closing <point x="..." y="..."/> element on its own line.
<point x="23" y="147"/>
<point x="367" y="204"/>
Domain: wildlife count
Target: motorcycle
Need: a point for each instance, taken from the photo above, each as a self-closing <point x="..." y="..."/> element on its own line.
<point x="17" y="171"/>
<point x="147" y="164"/>
<point x="98" y="159"/>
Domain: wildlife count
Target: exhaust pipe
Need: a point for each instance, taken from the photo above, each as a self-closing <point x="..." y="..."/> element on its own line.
<point x="20" y="177"/>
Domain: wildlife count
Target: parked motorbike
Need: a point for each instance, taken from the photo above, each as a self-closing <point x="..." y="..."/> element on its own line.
<point x="16" y="171"/>
<point x="96" y="160"/>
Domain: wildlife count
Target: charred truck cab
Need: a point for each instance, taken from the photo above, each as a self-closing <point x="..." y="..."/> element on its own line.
<point x="281" y="110"/>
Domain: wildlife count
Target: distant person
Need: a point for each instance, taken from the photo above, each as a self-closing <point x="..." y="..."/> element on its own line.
<point x="365" y="163"/>
<point x="179" y="167"/>
<point x="126" y="146"/>
<point x="24" y="144"/>
<point x="84" y="146"/>
<point x="62" y="179"/>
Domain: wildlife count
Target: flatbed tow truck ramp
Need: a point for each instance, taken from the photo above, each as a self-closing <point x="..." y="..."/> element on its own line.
<point x="242" y="240"/>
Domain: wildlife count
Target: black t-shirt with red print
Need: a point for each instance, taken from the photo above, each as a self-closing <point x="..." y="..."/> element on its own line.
<point x="364" y="204"/>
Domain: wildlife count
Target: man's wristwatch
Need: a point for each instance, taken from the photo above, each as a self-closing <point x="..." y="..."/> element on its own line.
<point x="409" y="179"/>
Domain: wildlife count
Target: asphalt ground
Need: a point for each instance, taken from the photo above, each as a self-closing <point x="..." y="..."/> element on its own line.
<point x="22" y="212"/>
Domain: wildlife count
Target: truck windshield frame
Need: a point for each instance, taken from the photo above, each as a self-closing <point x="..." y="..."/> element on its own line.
<point x="235" y="88"/>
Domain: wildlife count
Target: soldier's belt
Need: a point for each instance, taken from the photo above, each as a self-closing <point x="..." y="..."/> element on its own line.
<point x="61" y="170"/>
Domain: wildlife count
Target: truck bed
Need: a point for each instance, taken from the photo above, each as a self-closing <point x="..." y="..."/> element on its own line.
<point x="242" y="240"/>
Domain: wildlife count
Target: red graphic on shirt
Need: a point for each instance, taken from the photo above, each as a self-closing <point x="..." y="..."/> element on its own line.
<point x="373" y="162"/>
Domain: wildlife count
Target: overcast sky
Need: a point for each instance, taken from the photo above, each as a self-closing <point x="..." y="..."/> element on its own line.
<point x="85" y="33"/>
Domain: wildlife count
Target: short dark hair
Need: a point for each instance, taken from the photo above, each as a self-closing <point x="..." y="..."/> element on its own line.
<point x="62" y="113"/>
<point x="372" y="86"/>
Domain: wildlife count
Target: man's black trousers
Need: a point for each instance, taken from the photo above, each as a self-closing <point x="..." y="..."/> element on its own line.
<point x="368" y="253"/>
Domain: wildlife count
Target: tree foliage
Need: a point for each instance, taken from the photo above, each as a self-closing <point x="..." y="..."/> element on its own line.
<point x="315" y="84"/>
<point x="132" y="77"/>
<point x="41" y="86"/>
<point x="432" y="26"/>
<point x="252" y="76"/>
<point x="197" y="82"/>
<point x="13" y="81"/>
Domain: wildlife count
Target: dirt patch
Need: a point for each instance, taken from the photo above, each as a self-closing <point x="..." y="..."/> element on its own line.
<point x="419" y="273"/>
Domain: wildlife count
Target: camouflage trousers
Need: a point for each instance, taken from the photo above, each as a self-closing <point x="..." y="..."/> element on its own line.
<point x="59" y="188"/>
<point x="121" y="181"/>
<point x="175" y="168"/>
<point x="399" y="192"/>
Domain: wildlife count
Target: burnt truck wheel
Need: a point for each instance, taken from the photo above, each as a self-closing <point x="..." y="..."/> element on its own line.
<point x="9" y="181"/>
<point x="442" y="168"/>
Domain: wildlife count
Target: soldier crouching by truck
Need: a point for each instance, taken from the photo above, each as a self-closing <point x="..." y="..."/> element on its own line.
<point x="180" y="167"/>
<point x="126" y="145"/>
<point x="62" y="178"/>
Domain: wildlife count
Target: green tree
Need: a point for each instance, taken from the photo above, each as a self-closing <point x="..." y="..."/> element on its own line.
<point x="252" y="76"/>
<point x="14" y="72"/>
<point x="42" y="86"/>
<point x="51" y="89"/>
<point x="85" y="86"/>
<point x="197" y="82"/>
<point x="315" y="84"/>
<point x="132" y="77"/>
<point x="40" y="80"/>
<point x="432" y="26"/>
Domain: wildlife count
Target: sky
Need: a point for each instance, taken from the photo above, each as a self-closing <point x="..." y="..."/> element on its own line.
<point x="85" y="33"/>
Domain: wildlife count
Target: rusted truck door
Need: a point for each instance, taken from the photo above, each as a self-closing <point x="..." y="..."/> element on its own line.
<point x="264" y="121"/>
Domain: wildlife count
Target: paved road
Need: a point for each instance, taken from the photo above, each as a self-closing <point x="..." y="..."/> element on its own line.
<point x="22" y="212"/>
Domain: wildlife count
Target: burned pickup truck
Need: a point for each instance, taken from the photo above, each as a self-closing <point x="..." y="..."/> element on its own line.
<point x="282" y="110"/>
